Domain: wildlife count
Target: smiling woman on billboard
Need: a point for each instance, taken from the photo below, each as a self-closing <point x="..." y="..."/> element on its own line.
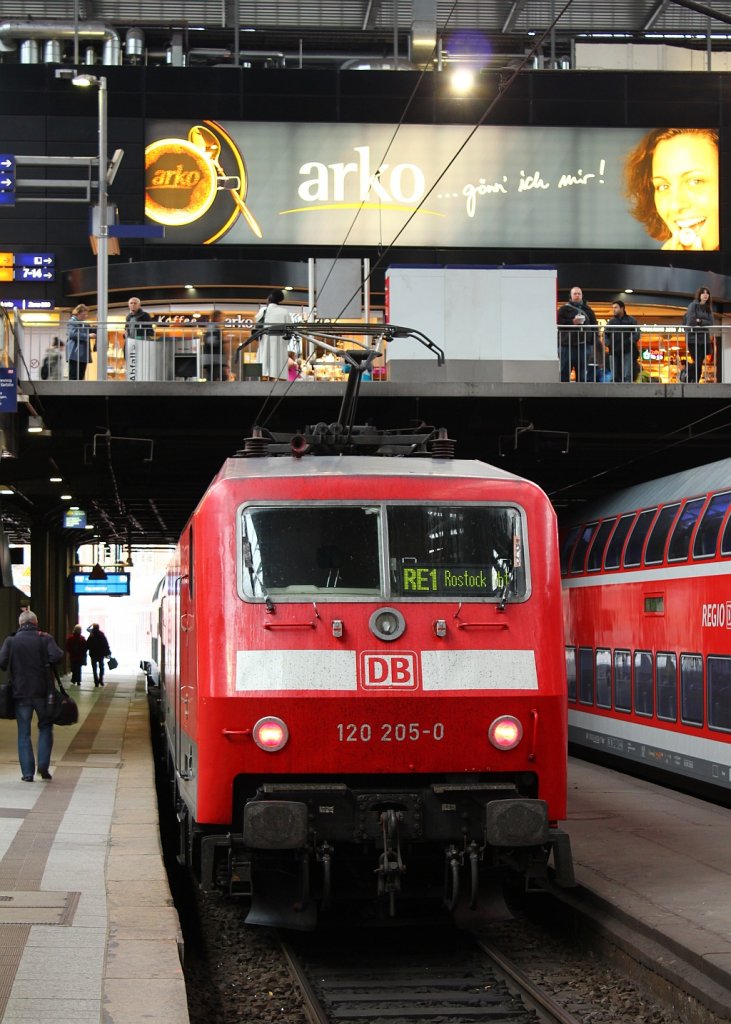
<point x="672" y="183"/>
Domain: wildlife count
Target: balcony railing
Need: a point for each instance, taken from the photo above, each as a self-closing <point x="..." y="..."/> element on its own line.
<point x="606" y="355"/>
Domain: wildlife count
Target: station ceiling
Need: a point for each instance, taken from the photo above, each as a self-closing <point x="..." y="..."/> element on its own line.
<point x="300" y="32"/>
<point x="139" y="463"/>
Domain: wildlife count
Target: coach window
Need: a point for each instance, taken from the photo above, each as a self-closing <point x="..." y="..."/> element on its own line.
<point x="579" y="553"/>
<point x="566" y="547"/>
<point x="691" y="689"/>
<point x="704" y="545"/>
<point x="643" y="683"/>
<point x="594" y="559"/>
<point x="726" y="539"/>
<point x="623" y="681"/>
<point x="614" y="550"/>
<point x="719" y="693"/>
<point x="586" y="675"/>
<point x="636" y="542"/>
<point x="656" y="541"/>
<point x="571" y="673"/>
<point x="680" y="541"/>
<point x="603" y="678"/>
<point x="666" y="685"/>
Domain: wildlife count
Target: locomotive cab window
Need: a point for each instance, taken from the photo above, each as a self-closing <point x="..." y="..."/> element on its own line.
<point x="431" y="551"/>
<point x="460" y="551"/>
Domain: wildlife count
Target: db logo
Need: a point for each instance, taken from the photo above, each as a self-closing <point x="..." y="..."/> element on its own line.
<point x="395" y="670"/>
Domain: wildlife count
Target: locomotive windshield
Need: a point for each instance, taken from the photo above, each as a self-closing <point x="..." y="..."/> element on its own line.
<point x="383" y="551"/>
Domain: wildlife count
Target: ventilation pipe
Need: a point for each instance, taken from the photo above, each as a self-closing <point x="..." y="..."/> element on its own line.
<point x="55" y="31"/>
<point x="423" y="31"/>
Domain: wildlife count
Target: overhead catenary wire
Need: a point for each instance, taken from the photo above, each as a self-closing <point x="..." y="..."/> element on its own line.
<point x="527" y="59"/>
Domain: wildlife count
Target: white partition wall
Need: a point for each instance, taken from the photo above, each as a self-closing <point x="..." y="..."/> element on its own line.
<point x="494" y="324"/>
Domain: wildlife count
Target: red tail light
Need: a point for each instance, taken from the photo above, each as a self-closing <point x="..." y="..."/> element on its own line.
<point x="270" y="733"/>
<point x="505" y="733"/>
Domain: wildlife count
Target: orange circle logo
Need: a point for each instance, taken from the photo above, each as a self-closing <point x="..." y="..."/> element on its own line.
<point x="180" y="182"/>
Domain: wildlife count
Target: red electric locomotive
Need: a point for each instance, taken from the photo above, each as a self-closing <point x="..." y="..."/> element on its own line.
<point x="647" y="588"/>
<point x="362" y="676"/>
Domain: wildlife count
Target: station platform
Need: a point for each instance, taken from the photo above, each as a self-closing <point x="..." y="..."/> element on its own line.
<point x="88" y="929"/>
<point x="650" y="855"/>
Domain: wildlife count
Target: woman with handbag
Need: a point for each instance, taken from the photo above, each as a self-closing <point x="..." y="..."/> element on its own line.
<point x="28" y="653"/>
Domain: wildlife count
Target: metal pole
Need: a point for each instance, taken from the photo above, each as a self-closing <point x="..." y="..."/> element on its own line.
<point x="102" y="251"/>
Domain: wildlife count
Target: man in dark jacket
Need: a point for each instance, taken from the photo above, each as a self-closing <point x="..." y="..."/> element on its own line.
<point x="28" y="653"/>
<point x="137" y="327"/>
<point x="98" y="647"/>
<point x="621" y="336"/>
<point x="577" y="338"/>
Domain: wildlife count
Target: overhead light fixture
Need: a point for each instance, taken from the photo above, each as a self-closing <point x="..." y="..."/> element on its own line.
<point x="97" y="573"/>
<point x="6" y="490"/>
<point x="84" y="80"/>
<point x="628" y="291"/>
<point x="55" y="479"/>
<point x="35" y="425"/>
<point x="66" y="497"/>
<point x="462" y="81"/>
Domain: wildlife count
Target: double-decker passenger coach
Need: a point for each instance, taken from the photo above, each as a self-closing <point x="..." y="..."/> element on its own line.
<point x="647" y="600"/>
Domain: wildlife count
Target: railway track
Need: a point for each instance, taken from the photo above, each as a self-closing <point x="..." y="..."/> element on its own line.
<point x="451" y="978"/>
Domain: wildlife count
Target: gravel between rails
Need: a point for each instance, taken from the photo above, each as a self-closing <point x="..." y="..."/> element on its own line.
<point x="237" y="975"/>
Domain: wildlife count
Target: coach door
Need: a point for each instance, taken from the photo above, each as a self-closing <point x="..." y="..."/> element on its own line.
<point x="185" y="656"/>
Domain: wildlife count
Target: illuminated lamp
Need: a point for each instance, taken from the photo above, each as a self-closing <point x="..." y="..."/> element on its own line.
<point x="505" y="733"/>
<point x="270" y="734"/>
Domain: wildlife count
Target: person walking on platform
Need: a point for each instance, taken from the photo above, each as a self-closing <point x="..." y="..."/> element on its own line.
<point x="98" y="647"/>
<point x="28" y="655"/>
<point x="76" y="647"/>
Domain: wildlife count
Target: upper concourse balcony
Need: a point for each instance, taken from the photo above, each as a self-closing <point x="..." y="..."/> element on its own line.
<point x="603" y="356"/>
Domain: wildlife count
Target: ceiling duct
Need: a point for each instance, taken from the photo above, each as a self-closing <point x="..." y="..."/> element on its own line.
<point x="423" y="31"/>
<point x="55" y="31"/>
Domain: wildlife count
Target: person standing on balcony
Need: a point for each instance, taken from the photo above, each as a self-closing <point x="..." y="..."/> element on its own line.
<point x="699" y="318"/>
<point x="576" y="338"/>
<point x="78" y="342"/>
<point x="137" y="327"/>
<point x="273" y="348"/>
<point x="621" y="336"/>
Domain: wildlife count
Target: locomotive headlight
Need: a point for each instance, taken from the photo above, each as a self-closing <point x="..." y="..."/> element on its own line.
<point x="387" y="624"/>
<point x="270" y="733"/>
<point x="505" y="732"/>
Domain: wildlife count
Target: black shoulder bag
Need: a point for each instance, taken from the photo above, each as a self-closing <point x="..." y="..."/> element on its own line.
<point x="7" y="698"/>
<point x="62" y="709"/>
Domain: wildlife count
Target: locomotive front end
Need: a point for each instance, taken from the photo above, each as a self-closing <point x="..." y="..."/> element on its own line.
<point x="393" y="726"/>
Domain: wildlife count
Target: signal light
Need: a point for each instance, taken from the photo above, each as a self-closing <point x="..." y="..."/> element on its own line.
<point x="505" y="733"/>
<point x="270" y="734"/>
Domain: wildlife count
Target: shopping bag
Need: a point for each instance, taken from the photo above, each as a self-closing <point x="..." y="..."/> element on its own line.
<point x="112" y="663"/>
